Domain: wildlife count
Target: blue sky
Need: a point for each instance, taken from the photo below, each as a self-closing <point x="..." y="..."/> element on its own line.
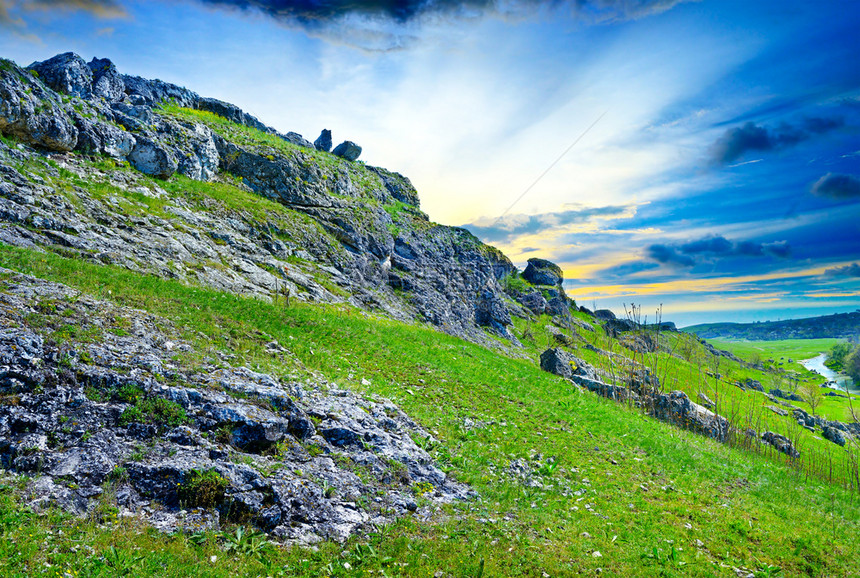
<point x="723" y="179"/>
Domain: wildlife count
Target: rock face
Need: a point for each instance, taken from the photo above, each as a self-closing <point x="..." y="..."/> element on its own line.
<point x="348" y="150"/>
<point x="369" y="237"/>
<point x="284" y="453"/>
<point x="323" y="142"/>
<point x="543" y="272"/>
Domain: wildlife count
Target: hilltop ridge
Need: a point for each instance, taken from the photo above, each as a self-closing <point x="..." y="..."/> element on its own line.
<point x="838" y="325"/>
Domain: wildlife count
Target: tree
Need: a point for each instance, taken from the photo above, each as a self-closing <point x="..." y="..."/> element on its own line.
<point x="852" y="364"/>
<point x="836" y="356"/>
<point x="813" y="395"/>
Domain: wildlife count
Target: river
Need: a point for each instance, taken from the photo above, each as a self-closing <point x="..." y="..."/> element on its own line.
<point x="816" y="364"/>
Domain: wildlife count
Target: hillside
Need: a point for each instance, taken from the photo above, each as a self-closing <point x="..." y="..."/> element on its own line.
<point x="839" y="325"/>
<point x="225" y="351"/>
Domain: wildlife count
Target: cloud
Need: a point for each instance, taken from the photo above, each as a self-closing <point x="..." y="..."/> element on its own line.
<point x="511" y="226"/>
<point x="10" y="10"/>
<point x="314" y="12"/>
<point x="714" y="246"/>
<point x="737" y="141"/>
<point x="852" y="270"/>
<point x="837" y="186"/>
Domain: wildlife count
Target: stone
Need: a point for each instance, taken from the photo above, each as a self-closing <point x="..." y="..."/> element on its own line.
<point x="781" y="443"/>
<point x="604" y="314"/>
<point x="95" y="137"/>
<point x="753" y="384"/>
<point x="67" y="73"/>
<point x="347" y="150"/>
<point x="559" y="336"/>
<point x="33" y="114"/>
<point x="534" y="301"/>
<point x="151" y="158"/>
<point x="107" y="81"/>
<point x="491" y="312"/>
<point x="676" y="407"/>
<point x="543" y="272"/>
<point x="834" y="435"/>
<point x="323" y="142"/>
<point x="706" y="401"/>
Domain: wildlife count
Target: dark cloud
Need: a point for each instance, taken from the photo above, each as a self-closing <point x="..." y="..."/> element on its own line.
<point x="318" y="12"/>
<point x="837" y="186"/>
<point x="669" y="255"/>
<point x="512" y="226"/>
<point x="748" y="137"/>
<point x="852" y="270"/>
<point x="715" y="246"/>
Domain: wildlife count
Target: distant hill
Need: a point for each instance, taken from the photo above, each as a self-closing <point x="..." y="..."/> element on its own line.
<point x="840" y="325"/>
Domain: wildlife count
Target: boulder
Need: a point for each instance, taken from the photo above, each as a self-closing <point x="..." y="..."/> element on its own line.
<point x="67" y="73"/>
<point x="781" y="443"/>
<point x="231" y="112"/>
<point x="558" y="305"/>
<point x="604" y="314"/>
<point x="323" y="142"/>
<point x="677" y="408"/>
<point x="107" y="81"/>
<point x="151" y="158"/>
<point x="543" y="272"/>
<point x="347" y="150"/>
<point x="298" y="140"/>
<point x="834" y="435"/>
<point x="558" y="362"/>
<point x="753" y="384"/>
<point x="533" y="301"/>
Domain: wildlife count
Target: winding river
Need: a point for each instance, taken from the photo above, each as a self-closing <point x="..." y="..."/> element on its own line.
<point x="836" y="380"/>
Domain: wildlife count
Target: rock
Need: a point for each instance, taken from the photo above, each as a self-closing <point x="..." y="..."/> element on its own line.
<point x="834" y="435"/>
<point x="604" y="314"/>
<point x="323" y="142"/>
<point x="558" y="305"/>
<point x="558" y="362"/>
<point x="103" y="138"/>
<point x="232" y="413"/>
<point x="67" y="73"/>
<point x="706" y="401"/>
<point x="297" y="139"/>
<point x="491" y="312"/>
<point x="559" y="336"/>
<point x="781" y="443"/>
<point x="614" y="326"/>
<point x="151" y="158"/>
<point x="534" y="301"/>
<point x="677" y="408"/>
<point x="753" y="384"/>
<point x="347" y="150"/>
<point x="543" y="272"/>
<point x="31" y="113"/>
<point x="150" y="92"/>
<point x="230" y="112"/>
<point x="776" y="392"/>
<point x="107" y="81"/>
<point x="777" y="410"/>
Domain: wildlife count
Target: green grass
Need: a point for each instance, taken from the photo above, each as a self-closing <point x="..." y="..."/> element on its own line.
<point x="643" y="481"/>
<point x="779" y="350"/>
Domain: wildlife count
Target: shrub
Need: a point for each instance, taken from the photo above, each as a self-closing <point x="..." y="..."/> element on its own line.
<point x="156" y="411"/>
<point x="513" y="283"/>
<point x="203" y="489"/>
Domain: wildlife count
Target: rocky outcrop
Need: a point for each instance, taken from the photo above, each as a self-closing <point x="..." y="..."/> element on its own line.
<point x="372" y="242"/>
<point x="120" y="408"/>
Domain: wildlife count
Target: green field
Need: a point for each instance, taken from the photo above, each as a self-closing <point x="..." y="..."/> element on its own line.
<point x="779" y="351"/>
<point x="650" y="498"/>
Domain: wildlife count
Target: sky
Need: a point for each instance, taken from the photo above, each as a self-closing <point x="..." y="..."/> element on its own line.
<point x="702" y="156"/>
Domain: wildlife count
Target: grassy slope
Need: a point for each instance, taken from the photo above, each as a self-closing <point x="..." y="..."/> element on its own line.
<point x="646" y="480"/>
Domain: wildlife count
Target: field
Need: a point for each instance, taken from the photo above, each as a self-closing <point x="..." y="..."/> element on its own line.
<point x="781" y="350"/>
<point x="616" y="491"/>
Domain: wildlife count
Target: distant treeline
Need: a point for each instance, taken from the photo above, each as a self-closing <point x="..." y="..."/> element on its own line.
<point x="840" y="325"/>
